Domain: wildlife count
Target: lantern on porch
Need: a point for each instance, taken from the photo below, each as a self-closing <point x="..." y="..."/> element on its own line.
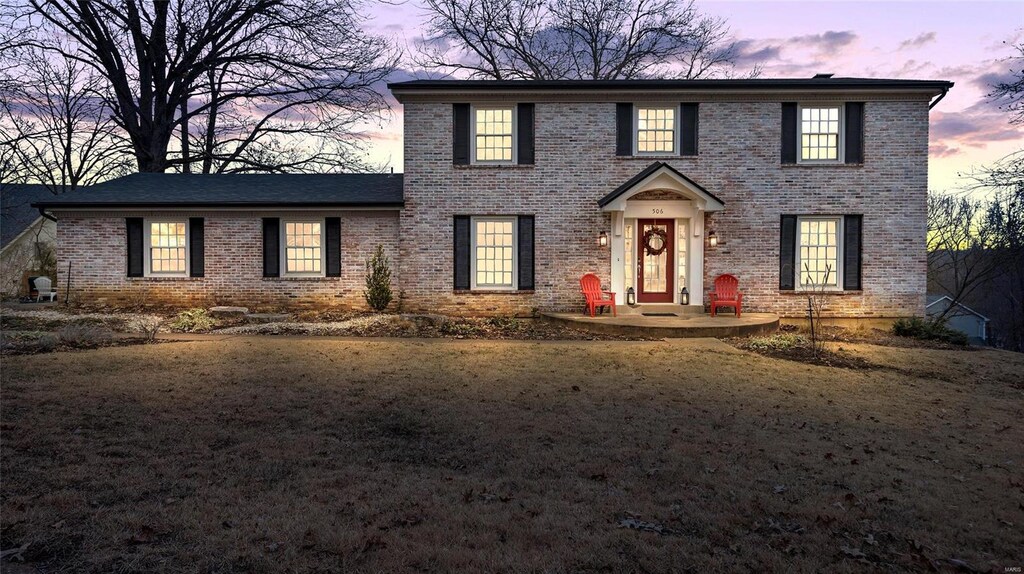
<point x="684" y="297"/>
<point x="602" y="239"/>
<point x="712" y="238"/>
<point x="630" y="296"/>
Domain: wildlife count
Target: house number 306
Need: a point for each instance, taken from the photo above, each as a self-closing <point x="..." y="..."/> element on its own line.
<point x="657" y="211"/>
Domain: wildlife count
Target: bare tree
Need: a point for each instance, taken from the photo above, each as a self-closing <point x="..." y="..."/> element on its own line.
<point x="56" y="128"/>
<point x="1010" y="93"/>
<point x="960" y="254"/>
<point x="286" y="74"/>
<point x="575" y="39"/>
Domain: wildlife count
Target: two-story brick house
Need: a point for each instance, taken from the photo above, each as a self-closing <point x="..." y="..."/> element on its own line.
<point x="513" y="190"/>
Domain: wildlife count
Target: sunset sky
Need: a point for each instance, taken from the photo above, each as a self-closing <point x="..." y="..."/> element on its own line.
<point x="964" y="42"/>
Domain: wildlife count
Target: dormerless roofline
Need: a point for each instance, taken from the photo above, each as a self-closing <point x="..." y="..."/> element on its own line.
<point x="825" y="84"/>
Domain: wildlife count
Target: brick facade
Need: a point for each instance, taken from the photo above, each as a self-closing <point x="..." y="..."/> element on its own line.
<point x="95" y="245"/>
<point x="739" y="162"/>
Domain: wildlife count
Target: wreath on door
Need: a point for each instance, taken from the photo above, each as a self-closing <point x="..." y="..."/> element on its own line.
<point x="655" y="241"/>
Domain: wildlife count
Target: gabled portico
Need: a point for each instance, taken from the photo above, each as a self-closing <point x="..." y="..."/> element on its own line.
<point x="657" y="235"/>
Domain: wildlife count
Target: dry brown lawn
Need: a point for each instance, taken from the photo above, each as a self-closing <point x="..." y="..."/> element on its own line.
<point x="313" y="455"/>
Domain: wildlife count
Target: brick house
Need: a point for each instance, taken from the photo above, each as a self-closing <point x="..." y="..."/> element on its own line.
<point x="513" y="189"/>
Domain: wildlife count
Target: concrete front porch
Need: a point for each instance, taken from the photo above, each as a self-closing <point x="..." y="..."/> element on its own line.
<point x="670" y="321"/>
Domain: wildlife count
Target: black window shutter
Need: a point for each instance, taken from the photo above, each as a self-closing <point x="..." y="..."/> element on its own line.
<point x="525" y="245"/>
<point x="133" y="226"/>
<point x="623" y="129"/>
<point x="789" y="143"/>
<point x="333" y="238"/>
<point x="787" y="253"/>
<point x="460" y="134"/>
<point x="461" y="252"/>
<point x="271" y="247"/>
<point x="690" y="126"/>
<point x="852" y="230"/>
<point x="525" y="131"/>
<point x="854" y="132"/>
<point x="196" y="247"/>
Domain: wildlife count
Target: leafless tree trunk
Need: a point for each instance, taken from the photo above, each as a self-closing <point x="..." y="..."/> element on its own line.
<point x="294" y="78"/>
<point x="575" y="39"/>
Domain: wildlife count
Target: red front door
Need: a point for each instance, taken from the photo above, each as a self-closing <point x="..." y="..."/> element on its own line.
<point x="655" y="261"/>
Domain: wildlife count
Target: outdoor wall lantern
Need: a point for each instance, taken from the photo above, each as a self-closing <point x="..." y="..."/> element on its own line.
<point x="684" y="297"/>
<point x="712" y="238"/>
<point x="630" y="296"/>
<point x="602" y="239"/>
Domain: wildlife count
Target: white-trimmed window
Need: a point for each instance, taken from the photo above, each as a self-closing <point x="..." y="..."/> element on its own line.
<point x="819" y="252"/>
<point x="821" y="134"/>
<point x="494" y="253"/>
<point x="494" y="134"/>
<point x="657" y="129"/>
<point x="166" y="247"/>
<point x="302" y="247"/>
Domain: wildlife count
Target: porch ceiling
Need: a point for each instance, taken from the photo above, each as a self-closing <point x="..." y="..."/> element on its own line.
<point x="660" y="175"/>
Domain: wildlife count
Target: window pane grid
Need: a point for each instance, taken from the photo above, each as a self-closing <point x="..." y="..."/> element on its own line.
<point x="819" y="134"/>
<point x="819" y="252"/>
<point x="302" y="247"/>
<point x="656" y="130"/>
<point x="494" y="247"/>
<point x="167" y="247"/>
<point x="494" y="134"/>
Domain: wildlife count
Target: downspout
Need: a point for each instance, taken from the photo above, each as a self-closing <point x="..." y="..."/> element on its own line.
<point x="936" y="101"/>
<point x="42" y="212"/>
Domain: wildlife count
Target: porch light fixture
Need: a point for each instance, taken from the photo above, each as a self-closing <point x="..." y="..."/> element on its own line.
<point x="712" y="238"/>
<point x="602" y="239"/>
<point x="684" y="297"/>
<point x="630" y="296"/>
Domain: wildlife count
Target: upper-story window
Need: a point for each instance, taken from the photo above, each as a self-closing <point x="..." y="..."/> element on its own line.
<point x="656" y="129"/>
<point x="494" y="134"/>
<point x="820" y="133"/>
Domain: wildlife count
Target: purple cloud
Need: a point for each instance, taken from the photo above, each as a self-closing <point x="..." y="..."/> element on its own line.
<point x="918" y="41"/>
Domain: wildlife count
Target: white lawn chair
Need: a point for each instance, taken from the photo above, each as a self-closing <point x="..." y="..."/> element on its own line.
<point x="45" y="288"/>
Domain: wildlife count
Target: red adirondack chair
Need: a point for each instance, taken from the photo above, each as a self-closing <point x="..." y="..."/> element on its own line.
<point x="726" y="294"/>
<point x="591" y="287"/>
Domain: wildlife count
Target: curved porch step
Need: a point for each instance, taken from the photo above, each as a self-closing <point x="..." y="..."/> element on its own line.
<point x="684" y="326"/>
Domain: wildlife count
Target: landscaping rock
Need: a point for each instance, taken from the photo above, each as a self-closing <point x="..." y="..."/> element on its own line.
<point x="229" y="311"/>
<point x="266" y="317"/>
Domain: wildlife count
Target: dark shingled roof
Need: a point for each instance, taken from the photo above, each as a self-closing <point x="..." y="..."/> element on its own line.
<point x="822" y="83"/>
<point x="16" y="211"/>
<point x="238" y="190"/>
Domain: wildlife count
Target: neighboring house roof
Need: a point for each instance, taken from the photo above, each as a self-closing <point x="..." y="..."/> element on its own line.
<point x="173" y="190"/>
<point x="935" y="299"/>
<point x="16" y="212"/>
<point x="648" y="172"/>
<point x="781" y="84"/>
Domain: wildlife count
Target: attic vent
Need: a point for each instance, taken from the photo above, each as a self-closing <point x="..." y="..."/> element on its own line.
<point x="822" y="76"/>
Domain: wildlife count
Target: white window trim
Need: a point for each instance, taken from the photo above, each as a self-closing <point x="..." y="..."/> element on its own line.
<point x="147" y="245"/>
<point x="841" y="149"/>
<point x="472" y="134"/>
<point x="800" y="286"/>
<point x="283" y="247"/>
<point x="515" y="253"/>
<point x="675" y="129"/>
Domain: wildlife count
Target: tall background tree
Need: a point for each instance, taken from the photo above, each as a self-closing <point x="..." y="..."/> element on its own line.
<point x="226" y="86"/>
<point x="574" y="39"/>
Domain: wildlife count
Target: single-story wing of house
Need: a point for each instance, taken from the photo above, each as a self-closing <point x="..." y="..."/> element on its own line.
<point x="26" y="237"/>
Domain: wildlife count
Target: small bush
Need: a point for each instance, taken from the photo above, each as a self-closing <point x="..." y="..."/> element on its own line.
<point x="378" y="280"/>
<point x="780" y="342"/>
<point x="918" y="328"/>
<point x="193" y="321"/>
<point x="147" y="326"/>
<point x="81" y="335"/>
<point x="504" y="322"/>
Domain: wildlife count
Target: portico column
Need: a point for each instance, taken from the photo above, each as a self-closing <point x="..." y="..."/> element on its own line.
<point x="618" y="253"/>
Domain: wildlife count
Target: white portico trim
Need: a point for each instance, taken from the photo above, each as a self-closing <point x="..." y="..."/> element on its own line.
<point x="687" y="210"/>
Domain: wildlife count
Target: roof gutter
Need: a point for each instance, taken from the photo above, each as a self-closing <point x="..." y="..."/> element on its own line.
<point x="935" y="102"/>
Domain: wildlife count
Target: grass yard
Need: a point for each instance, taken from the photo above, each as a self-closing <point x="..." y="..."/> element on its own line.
<point x="255" y="454"/>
